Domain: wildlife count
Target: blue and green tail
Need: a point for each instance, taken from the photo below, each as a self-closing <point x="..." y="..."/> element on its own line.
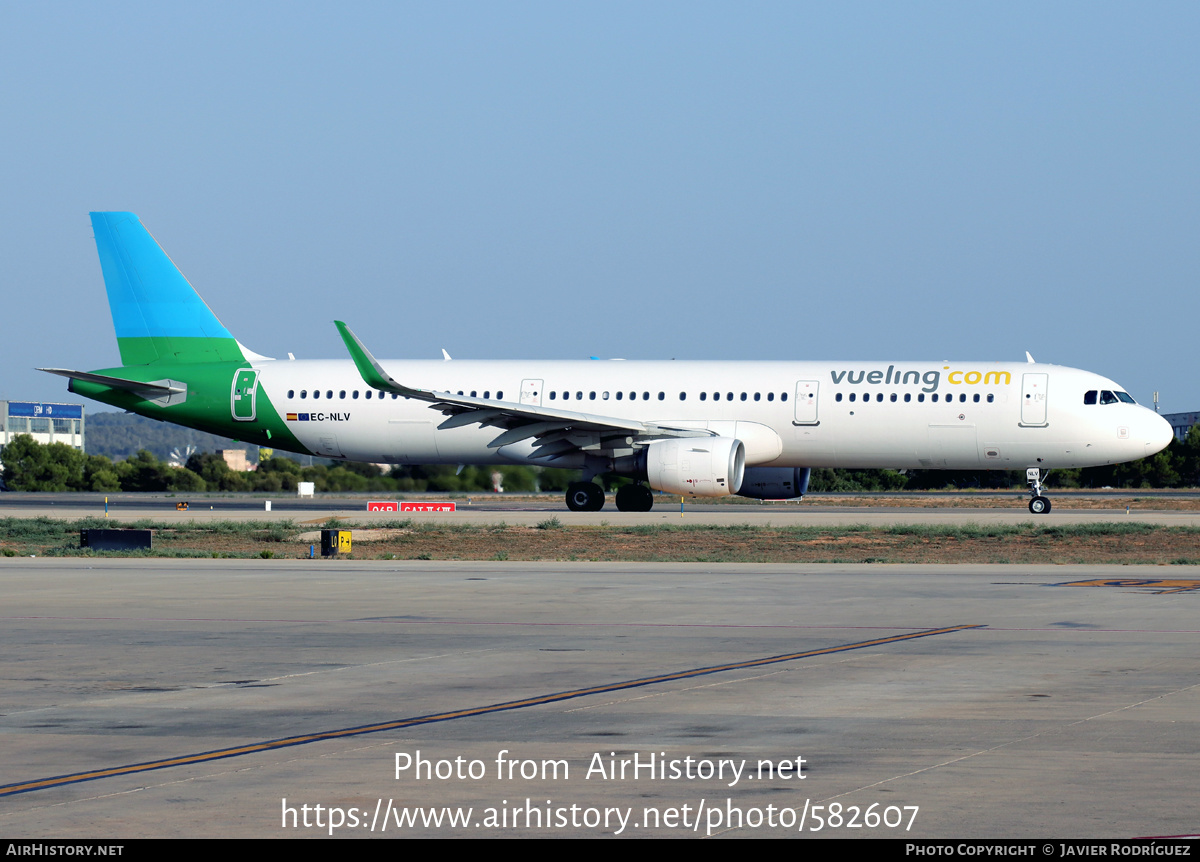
<point x="158" y="316"/>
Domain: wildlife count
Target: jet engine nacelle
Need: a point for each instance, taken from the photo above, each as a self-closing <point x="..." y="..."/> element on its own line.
<point x="775" y="483"/>
<point x="696" y="466"/>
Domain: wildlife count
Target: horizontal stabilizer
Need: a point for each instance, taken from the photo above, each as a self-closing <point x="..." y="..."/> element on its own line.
<point x="147" y="390"/>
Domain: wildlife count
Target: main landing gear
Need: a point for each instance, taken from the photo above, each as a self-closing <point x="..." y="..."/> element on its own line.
<point x="585" y="497"/>
<point x="635" y="498"/>
<point x="1039" y="505"/>
<point x="589" y="497"/>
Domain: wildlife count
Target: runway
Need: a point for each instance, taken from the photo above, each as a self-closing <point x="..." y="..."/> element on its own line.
<point x="959" y="701"/>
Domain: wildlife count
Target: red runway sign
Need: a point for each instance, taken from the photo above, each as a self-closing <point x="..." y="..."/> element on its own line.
<point x="427" y="507"/>
<point x="382" y="506"/>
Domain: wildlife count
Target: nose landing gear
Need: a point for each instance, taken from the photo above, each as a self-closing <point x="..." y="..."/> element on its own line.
<point x="1038" y="505"/>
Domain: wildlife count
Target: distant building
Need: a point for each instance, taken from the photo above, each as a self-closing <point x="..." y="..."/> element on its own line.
<point x="1182" y="423"/>
<point x="44" y="422"/>
<point x="236" y="460"/>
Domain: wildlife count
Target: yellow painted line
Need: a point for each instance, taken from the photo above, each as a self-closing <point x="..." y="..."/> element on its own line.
<point x="304" y="739"/>
<point x="1157" y="585"/>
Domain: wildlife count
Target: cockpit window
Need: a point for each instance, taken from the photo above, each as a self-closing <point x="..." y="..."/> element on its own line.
<point x="1089" y="397"/>
<point x="1107" y="397"/>
<point x="1126" y="397"/>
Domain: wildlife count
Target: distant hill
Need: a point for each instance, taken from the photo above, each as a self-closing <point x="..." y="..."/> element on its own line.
<point x="119" y="435"/>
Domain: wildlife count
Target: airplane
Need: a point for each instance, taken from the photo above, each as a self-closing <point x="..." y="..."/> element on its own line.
<point x="692" y="429"/>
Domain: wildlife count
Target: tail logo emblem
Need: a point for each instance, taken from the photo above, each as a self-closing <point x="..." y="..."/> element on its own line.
<point x="243" y="394"/>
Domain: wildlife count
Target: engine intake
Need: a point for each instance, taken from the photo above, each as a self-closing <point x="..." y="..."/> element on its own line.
<point x="775" y="483"/>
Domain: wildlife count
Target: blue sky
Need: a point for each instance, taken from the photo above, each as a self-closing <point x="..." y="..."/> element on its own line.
<point x="559" y="180"/>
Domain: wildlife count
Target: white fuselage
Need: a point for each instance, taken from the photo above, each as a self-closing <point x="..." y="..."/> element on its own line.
<point x="902" y="415"/>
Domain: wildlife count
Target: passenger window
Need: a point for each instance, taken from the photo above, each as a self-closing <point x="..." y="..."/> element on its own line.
<point x="552" y="394"/>
<point x="355" y="396"/>
<point x="893" y="397"/>
<point x="662" y="396"/>
<point x="757" y="396"/>
<point x="770" y="396"/>
<point x="703" y="396"/>
<point x="976" y="398"/>
<point x="683" y="396"/>
<point x="487" y="395"/>
<point x="837" y="397"/>
<point x="473" y="393"/>
<point x="291" y="393"/>
<point x="499" y="396"/>
<point x="316" y="393"/>
<point x="743" y="396"/>
<point x="729" y="396"/>
<point x="879" y="397"/>
<point x="591" y="396"/>
<point x="991" y="398"/>
<point x="907" y="397"/>
<point x="962" y="397"/>
<point x="783" y="396"/>
<point x="1089" y="397"/>
<point x="578" y="396"/>
<point x="329" y="393"/>
<point x="921" y="397"/>
<point x="935" y="397"/>
<point x="369" y="391"/>
<point x="604" y="396"/>
<point x="620" y="396"/>
<point x="852" y="395"/>
<point x="342" y="395"/>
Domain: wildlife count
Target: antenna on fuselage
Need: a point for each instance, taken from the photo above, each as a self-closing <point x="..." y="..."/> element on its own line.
<point x="1029" y="358"/>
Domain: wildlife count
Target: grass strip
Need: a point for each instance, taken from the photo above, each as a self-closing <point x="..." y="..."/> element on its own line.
<point x="1106" y="543"/>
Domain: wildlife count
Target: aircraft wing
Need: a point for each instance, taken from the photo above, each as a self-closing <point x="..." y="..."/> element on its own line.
<point x="556" y="432"/>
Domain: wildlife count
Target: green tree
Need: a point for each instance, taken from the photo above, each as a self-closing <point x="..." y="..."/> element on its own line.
<point x="32" y="466"/>
<point x="216" y="474"/>
<point x="1188" y="463"/>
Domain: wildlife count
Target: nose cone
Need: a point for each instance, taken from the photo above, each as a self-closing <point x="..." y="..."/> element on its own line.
<point x="1158" y="434"/>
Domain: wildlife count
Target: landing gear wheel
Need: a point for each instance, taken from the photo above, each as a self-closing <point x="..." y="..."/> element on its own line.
<point x="635" y="498"/>
<point x="1039" y="505"/>
<point x="585" y="497"/>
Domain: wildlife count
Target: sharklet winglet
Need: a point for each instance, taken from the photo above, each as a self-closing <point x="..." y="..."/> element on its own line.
<point x="369" y="368"/>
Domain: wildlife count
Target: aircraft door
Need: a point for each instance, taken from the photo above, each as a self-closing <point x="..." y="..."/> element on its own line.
<point x="806" y="402"/>
<point x="242" y="395"/>
<point x="531" y="392"/>
<point x="1033" y="399"/>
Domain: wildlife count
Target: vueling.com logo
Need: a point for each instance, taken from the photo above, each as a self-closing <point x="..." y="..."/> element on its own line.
<point x="929" y="378"/>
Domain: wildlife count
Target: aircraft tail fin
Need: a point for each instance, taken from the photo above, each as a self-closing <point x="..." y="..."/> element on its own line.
<point x="158" y="316"/>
